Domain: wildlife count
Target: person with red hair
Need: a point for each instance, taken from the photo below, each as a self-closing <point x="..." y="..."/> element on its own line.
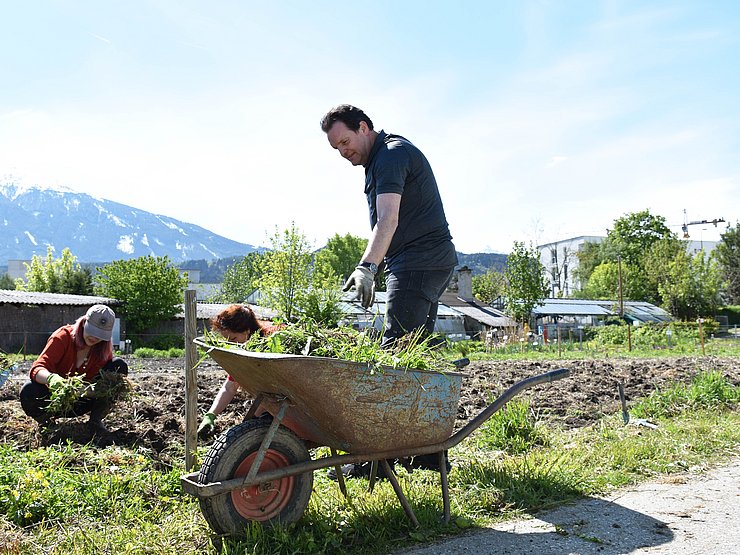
<point x="83" y="348"/>
<point x="237" y="323"/>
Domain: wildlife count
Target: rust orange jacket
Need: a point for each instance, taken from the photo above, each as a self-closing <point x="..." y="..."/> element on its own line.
<point x="60" y="357"/>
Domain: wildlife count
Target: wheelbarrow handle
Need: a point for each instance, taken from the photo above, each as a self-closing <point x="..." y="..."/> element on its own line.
<point x="505" y="397"/>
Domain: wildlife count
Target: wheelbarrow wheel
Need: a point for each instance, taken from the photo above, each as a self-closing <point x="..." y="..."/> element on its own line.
<point x="277" y="501"/>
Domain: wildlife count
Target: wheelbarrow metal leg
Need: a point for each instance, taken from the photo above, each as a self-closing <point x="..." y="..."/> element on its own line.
<point x="399" y="493"/>
<point x="254" y="406"/>
<point x="445" y="486"/>
<point x="340" y="475"/>
<point x="373" y="476"/>
<point x="271" y="431"/>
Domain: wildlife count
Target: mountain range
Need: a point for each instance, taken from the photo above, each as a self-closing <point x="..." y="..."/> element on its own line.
<point x="96" y="230"/>
<point x="33" y="218"/>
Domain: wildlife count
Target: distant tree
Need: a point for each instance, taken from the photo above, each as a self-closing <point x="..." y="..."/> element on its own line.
<point x="240" y="279"/>
<point x="290" y="284"/>
<point x="284" y="273"/>
<point x="589" y="257"/>
<point x="62" y="275"/>
<point x="604" y="283"/>
<point x="151" y="288"/>
<point x="727" y="254"/>
<point x="340" y="255"/>
<point x="633" y="235"/>
<point x="630" y="241"/>
<point x="6" y="282"/>
<point x="655" y="267"/>
<point x="692" y="286"/>
<point x="489" y="286"/>
<point x="526" y="285"/>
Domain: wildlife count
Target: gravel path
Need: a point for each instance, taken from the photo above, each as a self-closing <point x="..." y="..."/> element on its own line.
<point x="682" y="515"/>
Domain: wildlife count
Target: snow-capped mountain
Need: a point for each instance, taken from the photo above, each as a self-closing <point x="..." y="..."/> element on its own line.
<point x="97" y="230"/>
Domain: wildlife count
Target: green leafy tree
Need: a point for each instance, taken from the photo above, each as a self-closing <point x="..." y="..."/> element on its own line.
<point x="151" y="288"/>
<point x="290" y="282"/>
<point x="62" y="275"/>
<point x="692" y="285"/>
<point x="655" y="268"/>
<point x="240" y="279"/>
<point x="526" y="285"/>
<point x="727" y="254"/>
<point x="604" y="282"/>
<point x="6" y="282"/>
<point x="630" y="241"/>
<point x="284" y="273"/>
<point x="489" y="286"/>
<point x="589" y="256"/>
<point x="634" y="234"/>
<point x="340" y="255"/>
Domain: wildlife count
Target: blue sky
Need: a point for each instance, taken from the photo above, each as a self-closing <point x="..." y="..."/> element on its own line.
<point x="542" y="120"/>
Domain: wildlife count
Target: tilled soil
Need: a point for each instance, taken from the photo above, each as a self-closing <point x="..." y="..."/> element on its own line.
<point x="154" y="418"/>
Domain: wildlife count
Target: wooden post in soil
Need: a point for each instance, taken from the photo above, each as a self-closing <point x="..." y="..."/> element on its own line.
<point x="191" y="385"/>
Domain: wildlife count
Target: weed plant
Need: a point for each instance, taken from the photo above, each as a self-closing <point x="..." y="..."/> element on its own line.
<point x="64" y="396"/>
<point x="307" y="338"/>
<point x="708" y="390"/>
<point x="513" y="429"/>
<point x="112" y="386"/>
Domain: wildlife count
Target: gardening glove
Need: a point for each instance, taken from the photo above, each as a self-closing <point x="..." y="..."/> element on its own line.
<point x="363" y="280"/>
<point x="207" y="425"/>
<point x="54" y="381"/>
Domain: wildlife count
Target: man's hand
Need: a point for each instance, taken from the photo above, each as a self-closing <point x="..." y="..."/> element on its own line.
<point x="207" y="425"/>
<point x="54" y="381"/>
<point x="363" y="280"/>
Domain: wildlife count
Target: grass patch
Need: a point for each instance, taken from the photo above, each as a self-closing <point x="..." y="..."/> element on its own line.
<point x="148" y="352"/>
<point x="708" y="390"/>
<point x="513" y="429"/>
<point x="89" y="500"/>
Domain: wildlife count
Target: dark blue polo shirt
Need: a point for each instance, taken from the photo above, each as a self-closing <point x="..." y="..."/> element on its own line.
<point x="422" y="240"/>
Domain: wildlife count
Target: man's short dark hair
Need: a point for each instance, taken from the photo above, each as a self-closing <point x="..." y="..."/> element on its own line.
<point x="349" y="115"/>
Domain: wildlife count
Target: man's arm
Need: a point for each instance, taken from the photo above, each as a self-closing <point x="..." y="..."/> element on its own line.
<point x="387" y="205"/>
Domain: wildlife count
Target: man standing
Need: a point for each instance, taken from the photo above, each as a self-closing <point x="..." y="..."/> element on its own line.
<point x="409" y="229"/>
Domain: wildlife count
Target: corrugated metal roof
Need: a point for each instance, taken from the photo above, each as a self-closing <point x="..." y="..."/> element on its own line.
<point x="8" y="296"/>
<point x="206" y="311"/>
<point x="489" y="318"/>
<point x="571" y="309"/>
<point x="637" y="310"/>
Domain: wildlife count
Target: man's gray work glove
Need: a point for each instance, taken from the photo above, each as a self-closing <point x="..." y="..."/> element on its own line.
<point x="363" y="280"/>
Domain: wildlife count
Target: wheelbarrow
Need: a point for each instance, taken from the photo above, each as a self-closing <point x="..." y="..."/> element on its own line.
<point x="261" y="470"/>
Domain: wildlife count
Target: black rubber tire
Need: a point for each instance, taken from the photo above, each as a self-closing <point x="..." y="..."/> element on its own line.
<point x="282" y="501"/>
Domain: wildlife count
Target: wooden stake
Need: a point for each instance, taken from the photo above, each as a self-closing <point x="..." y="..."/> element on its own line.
<point x="191" y="385"/>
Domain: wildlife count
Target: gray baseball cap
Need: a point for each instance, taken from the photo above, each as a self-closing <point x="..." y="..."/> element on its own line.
<point x="100" y="320"/>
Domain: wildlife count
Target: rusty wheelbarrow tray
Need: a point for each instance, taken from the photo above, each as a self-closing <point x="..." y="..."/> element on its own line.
<point x="370" y="413"/>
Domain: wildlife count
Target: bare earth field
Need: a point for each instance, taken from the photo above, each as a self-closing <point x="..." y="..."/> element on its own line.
<point x="154" y="419"/>
<point x="680" y="515"/>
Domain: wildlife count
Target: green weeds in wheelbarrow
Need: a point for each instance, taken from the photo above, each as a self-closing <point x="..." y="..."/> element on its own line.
<point x="308" y="338"/>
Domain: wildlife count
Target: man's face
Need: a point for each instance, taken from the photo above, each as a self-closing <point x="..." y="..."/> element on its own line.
<point x="355" y="146"/>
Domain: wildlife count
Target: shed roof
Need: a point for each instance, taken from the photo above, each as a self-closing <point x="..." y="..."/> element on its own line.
<point x="9" y="296"/>
<point x="636" y="310"/>
<point x="473" y="308"/>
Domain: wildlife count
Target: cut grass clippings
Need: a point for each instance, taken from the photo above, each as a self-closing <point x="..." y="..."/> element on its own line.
<point x="413" y="351"/>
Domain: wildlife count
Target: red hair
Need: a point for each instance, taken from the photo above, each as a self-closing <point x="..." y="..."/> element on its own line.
<point x="237" y="318"/>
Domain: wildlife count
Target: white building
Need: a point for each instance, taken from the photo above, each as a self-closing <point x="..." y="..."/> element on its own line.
<point x="560" y="260"/>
